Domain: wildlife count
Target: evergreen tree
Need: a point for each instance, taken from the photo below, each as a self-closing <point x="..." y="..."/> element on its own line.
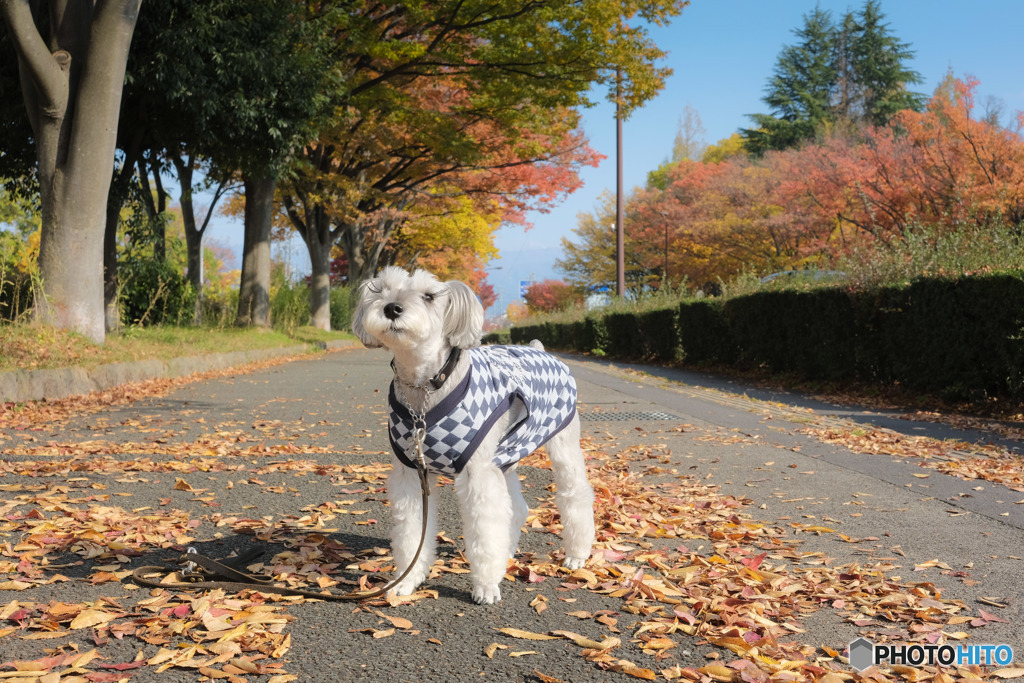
<point x="854" y="72"/>
<point x="877" y="60"/>
<point x="799" y="93"/>
<point x="846" y="95"/>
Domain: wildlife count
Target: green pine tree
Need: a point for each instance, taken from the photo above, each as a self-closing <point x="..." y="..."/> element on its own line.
<point x="851" y="73"/>
<point x="799" y="93"/>
<point x="877" y="60"/>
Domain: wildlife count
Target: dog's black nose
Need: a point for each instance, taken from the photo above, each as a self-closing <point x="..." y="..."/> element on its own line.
<point x="392" y="311"/>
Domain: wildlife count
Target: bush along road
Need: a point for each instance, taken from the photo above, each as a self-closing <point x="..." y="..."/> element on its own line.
<point x="741" y="537"/>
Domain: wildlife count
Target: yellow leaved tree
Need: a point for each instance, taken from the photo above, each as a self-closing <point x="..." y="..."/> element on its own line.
<point x="453" y="239"/>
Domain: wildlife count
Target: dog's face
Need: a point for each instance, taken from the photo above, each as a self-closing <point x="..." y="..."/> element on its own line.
<point x="400" y="311"/>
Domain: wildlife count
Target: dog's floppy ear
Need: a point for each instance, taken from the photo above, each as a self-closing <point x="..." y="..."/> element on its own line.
<point x="464" y="316"/>
<point x="357" y="317"/>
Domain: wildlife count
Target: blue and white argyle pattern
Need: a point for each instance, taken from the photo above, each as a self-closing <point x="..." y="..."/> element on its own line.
<point x="498" y="375"/>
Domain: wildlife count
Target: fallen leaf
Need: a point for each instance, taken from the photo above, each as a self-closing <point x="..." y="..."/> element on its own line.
<point x="719" y="672"/>
<point x="526" y="635"/>
<point x="14" y="585"/>
<point x="582" y="641"/>
<point x="92" y="617"/>
<point x="832" y="677"/>
<point x="494" y="647"/>
<point x="397" y="622"/>
<point x="631" y="669"/>
<point x="544" y="678"/>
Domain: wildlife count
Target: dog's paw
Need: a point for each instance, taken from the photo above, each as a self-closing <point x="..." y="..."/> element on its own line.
<point x="486" y="595"/>
<point x="574" y="562"/>
<point x="406" y="587"/>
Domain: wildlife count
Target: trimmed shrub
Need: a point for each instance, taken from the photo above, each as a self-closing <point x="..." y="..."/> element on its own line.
<point x="809" y="333"/>
<point x="960" y="337"/>
<point x="704" y="334"/>
<point x="527" y="333"/>
<point x="659" y="333"/>
<point x="499" y="337"/>
<point x="592" y="336"/>
<point x="624" y="337"/>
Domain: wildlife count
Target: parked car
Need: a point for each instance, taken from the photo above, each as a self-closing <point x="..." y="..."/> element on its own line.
<point x="813" y="275"/>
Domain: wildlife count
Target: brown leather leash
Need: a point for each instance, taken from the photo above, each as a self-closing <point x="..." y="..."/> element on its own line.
<point x="201" y="572"/>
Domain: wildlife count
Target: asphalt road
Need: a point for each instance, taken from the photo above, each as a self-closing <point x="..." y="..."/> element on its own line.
<point x="330" y="411"/>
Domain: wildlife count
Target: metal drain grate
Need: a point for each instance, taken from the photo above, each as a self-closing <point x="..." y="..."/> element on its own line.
<point x="626" y="417"/>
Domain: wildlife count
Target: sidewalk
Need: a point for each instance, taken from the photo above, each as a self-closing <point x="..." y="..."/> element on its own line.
<point x="51" y="384"/>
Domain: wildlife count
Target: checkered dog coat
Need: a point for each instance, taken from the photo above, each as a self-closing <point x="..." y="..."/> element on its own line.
<point x="498" y="375"/>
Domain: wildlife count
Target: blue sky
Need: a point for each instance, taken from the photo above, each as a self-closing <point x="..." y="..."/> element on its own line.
<point x="722" y="53"/>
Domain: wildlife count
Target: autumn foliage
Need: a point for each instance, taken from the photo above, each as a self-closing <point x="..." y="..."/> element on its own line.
<point x="450" y="118"/>
<point x="551" y="295"/>
<point x="939" y="167"/>
<point x="943" y="168"/>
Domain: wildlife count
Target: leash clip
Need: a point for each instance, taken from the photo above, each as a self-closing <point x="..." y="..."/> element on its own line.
<point x="191" y="570"/>
<point x="420" y="437"/>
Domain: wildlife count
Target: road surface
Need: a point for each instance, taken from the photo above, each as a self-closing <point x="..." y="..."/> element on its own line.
<point x="821" y="542"/>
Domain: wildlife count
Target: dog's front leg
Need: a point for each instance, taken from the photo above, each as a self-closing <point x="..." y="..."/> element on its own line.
<point x="405" y="499"/>
<point x="486" y="520"/>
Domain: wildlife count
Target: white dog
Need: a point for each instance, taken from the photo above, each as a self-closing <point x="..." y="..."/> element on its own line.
<point x="479" y="412"/>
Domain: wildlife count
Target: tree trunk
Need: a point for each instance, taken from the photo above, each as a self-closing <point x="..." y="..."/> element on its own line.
<point x="155" y="200"/>
<point x="72" y="98"/>
<point x="319" y="246"/>
<point x="254" y="290"/>
<point x="193" y="235"/>
<point x="363" y="262"/>
<point x="313" y="224"/>
<point x="194" y="264"/>
<point x="111" y="316"/>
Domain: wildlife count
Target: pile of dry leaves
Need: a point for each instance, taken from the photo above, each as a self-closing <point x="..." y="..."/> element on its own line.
<point x="958" y="458"/>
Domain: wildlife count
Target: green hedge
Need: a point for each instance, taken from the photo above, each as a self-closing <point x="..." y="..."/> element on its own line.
<point x="659" y="332"/>
<point x="959" y="337"/>
<point x="962" y="338"/>
<point x="704" y="334"/>
<point x="811" y="333"/>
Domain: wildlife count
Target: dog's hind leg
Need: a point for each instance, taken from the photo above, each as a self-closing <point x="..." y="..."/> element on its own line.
<point x="520" y="510"/>
<point x="574" y="495"/>
<point x="486" y="519"/>
<point x="406" y="501"/>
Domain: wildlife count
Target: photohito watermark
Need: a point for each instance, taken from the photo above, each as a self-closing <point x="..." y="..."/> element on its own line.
<point x="864" y="653"/>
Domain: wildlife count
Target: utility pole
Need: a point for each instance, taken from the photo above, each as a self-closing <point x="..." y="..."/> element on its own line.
<point x="664" y="277"/>
<point x="664" y="274"/>
<point x="620" y="230"/>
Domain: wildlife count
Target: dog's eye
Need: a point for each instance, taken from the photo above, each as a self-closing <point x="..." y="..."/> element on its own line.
<point x="429" y="298"/>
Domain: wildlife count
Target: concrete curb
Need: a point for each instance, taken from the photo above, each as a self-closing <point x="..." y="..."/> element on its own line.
<point x="51" y="384"/>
